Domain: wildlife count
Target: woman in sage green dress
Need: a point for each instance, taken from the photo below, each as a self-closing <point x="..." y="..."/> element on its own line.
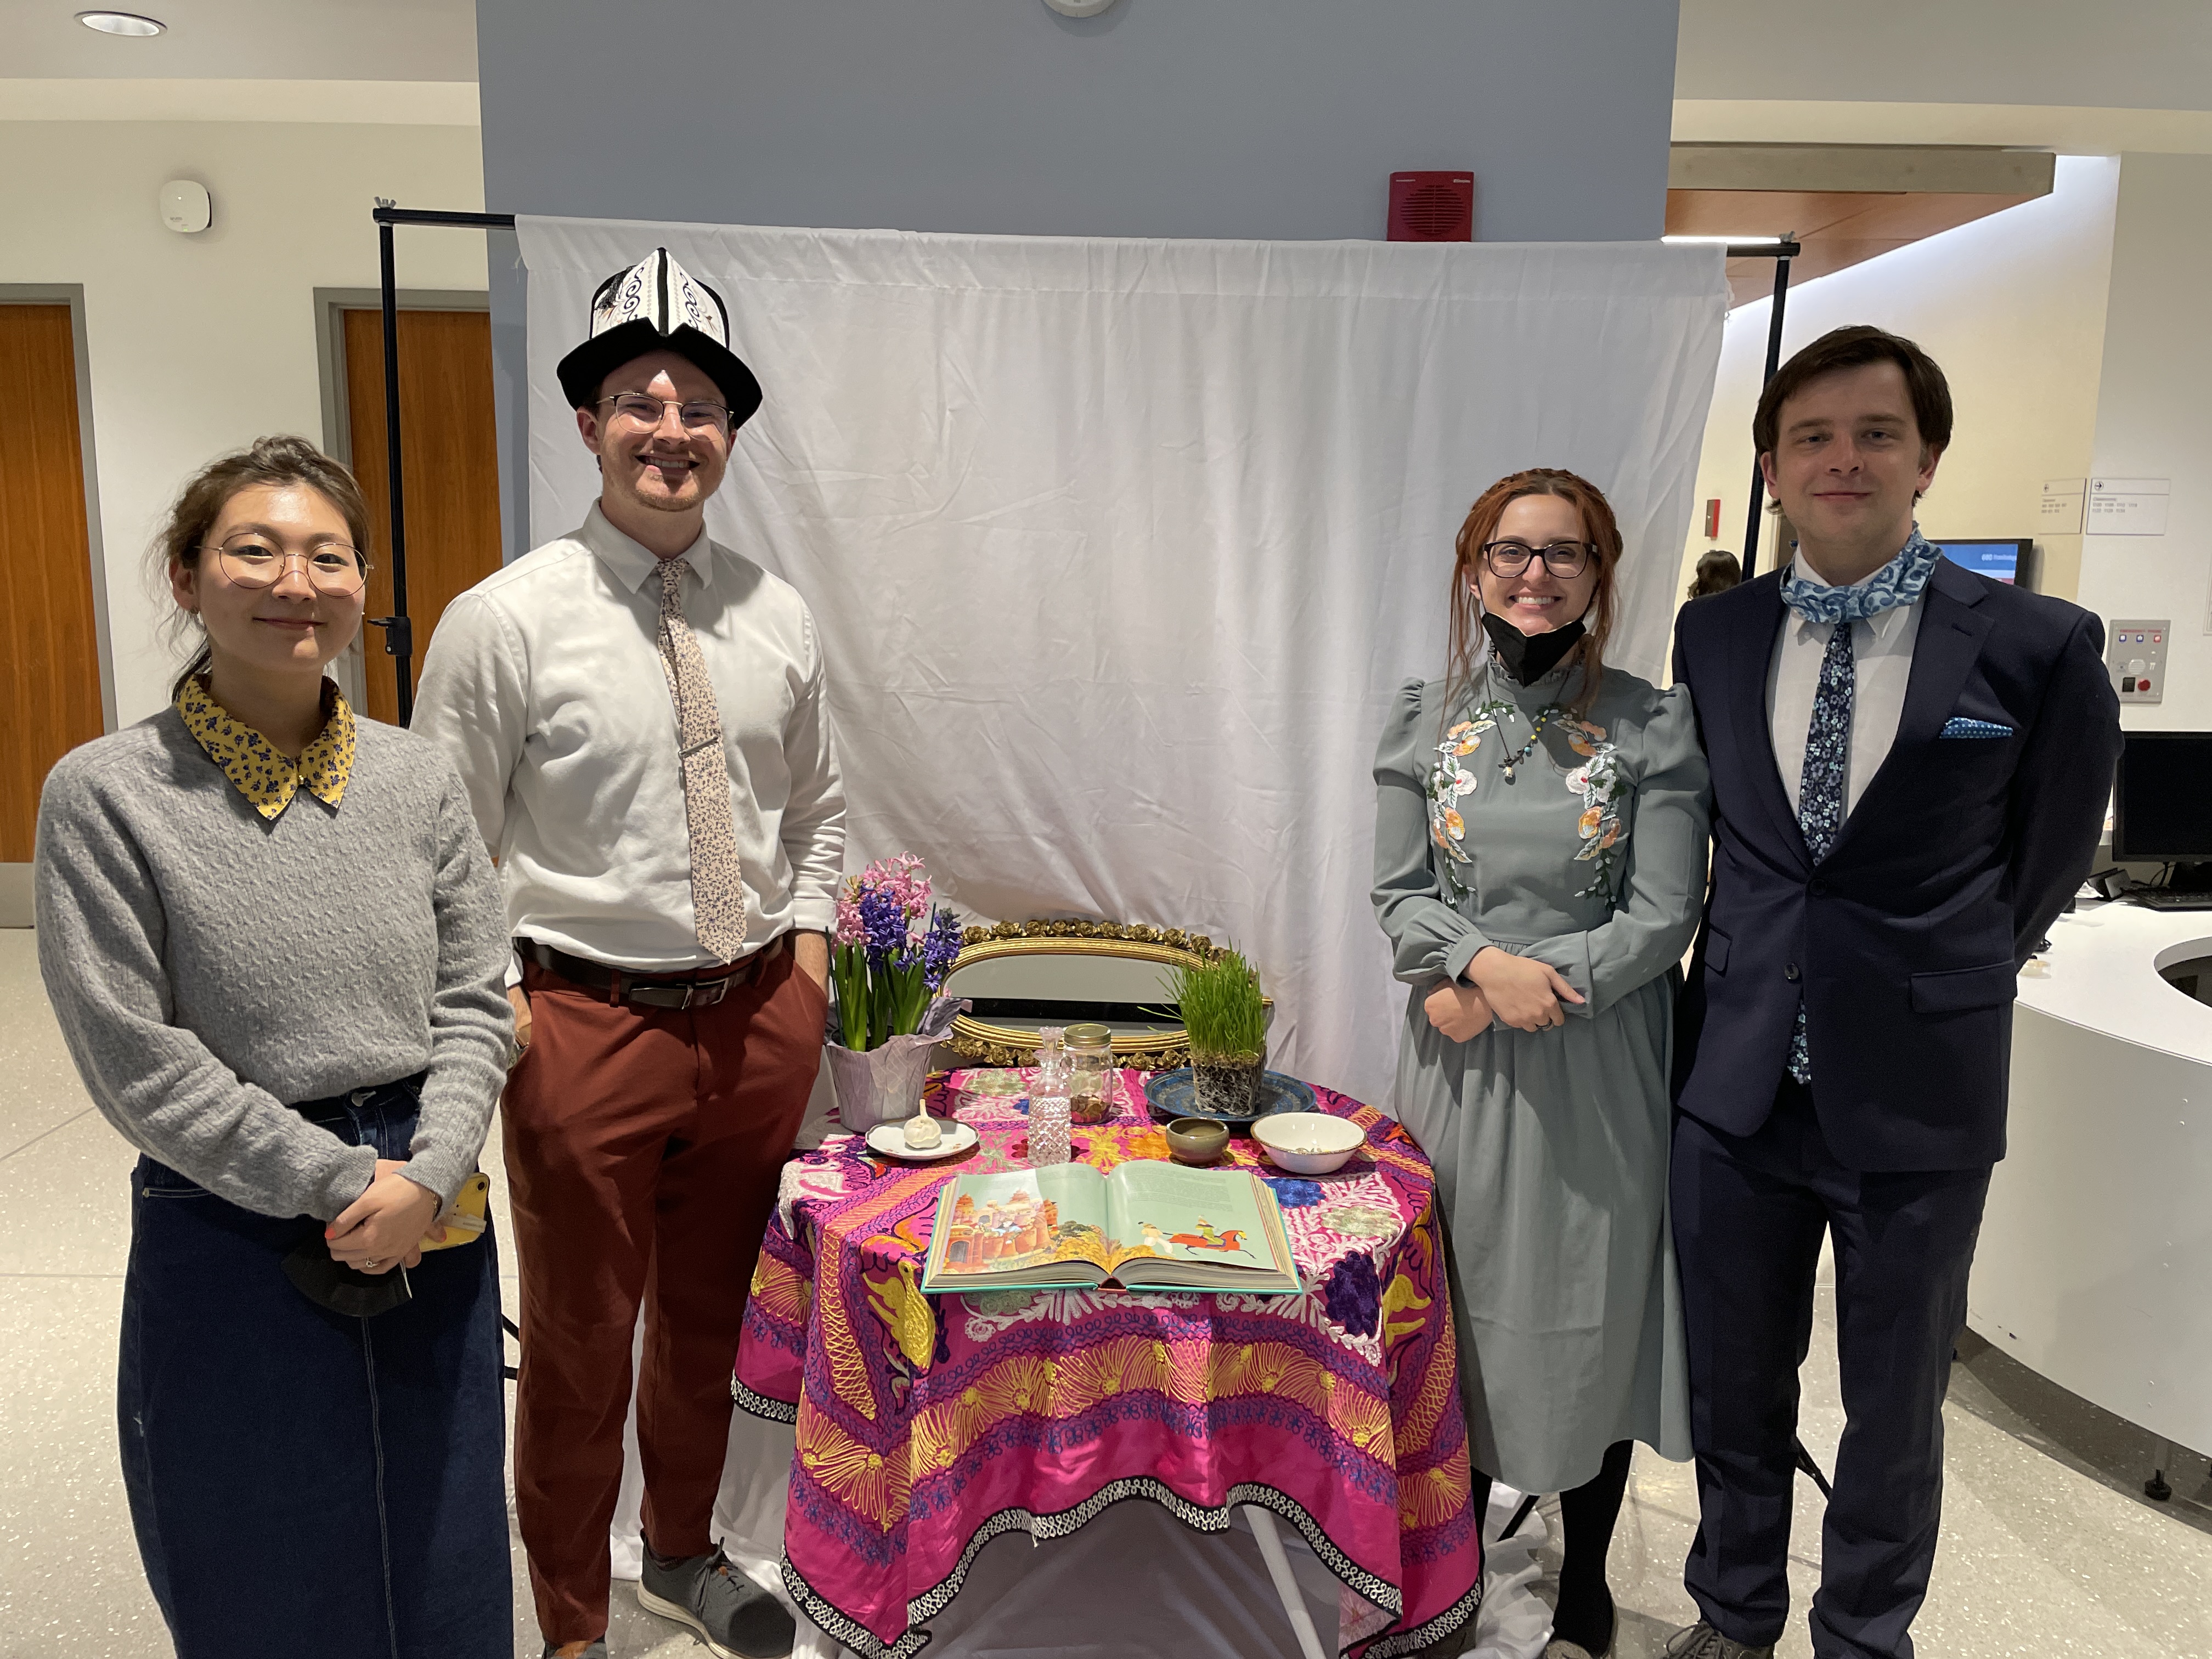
<point x="1540" y="860"/>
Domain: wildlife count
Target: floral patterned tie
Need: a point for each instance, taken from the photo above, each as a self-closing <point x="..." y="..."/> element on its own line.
<point x="1821" y="786"/>
<point x="718" y="893"/>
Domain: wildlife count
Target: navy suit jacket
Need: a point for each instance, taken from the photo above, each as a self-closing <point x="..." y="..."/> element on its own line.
<point x="1905" y="940"/>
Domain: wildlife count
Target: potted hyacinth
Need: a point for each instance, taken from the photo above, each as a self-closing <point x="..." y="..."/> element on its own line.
<point x="892" y="950"/>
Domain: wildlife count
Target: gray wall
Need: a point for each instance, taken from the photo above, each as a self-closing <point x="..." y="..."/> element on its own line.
<point x="1280" y="119"/>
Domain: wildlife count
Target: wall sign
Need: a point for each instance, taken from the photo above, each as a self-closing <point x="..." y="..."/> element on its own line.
<point x="2127" y="506"/>
<point x="2060" y="513"/>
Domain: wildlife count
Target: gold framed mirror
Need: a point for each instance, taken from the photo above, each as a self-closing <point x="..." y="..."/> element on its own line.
<point x="1020" y="976"/>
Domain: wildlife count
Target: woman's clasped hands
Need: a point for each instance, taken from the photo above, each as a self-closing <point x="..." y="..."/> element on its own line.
<point x="1522" y="992"/>
<point x="383" y="1228"/>
<point x="1458" y="1010"/>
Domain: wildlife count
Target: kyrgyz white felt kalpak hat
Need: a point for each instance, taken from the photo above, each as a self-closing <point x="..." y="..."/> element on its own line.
<point x="658" y="305"/>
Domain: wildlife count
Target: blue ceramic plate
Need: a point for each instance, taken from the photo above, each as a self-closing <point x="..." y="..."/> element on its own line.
<point x="1175" y="1094"/>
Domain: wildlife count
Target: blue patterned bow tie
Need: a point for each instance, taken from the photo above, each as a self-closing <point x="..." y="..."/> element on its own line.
<point x="1899" y="582"/>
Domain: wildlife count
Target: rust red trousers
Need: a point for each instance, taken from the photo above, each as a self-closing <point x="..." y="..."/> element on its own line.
<point x="643" y="1148"/>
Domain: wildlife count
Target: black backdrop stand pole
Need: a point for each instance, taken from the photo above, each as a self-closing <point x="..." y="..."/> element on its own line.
<point x="399" y="628"/>
<point x="1773" y="363"/>
<point x="1782" y="257"/>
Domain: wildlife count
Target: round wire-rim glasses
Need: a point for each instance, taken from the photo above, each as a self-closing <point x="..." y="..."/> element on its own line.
<point x="695" y="414"/>
<point x="1566" y="559"/>
<point x="334" y="569"/>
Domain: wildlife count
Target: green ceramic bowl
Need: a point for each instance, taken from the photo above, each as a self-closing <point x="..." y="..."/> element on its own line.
<point x="1196" y="1140"/>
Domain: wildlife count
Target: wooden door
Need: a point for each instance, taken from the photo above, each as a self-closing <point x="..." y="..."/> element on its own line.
<point x="49" y="640"/>
<point x="449" y="460"/>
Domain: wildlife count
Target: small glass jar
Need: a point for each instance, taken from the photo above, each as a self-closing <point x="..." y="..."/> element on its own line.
<point x="1048" y="1065"/>
<point x="1049" y="1139"/>
<point x="1092" y="1074"/>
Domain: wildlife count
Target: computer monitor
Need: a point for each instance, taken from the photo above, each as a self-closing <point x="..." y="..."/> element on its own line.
<point x="2162" y="799"/>
<point x="2007" y="561"/>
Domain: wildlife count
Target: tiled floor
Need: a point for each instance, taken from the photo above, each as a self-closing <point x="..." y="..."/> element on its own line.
<point x="2049" y="1546"/>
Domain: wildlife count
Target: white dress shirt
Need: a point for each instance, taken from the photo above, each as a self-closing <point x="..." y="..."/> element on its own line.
<point x="544" y="684"/>
<point x="1883" y="647"/>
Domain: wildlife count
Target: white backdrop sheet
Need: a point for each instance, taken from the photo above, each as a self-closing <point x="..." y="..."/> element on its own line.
<point x="1119" y="547"/>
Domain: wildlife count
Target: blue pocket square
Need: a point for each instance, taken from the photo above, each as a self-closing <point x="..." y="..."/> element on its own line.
<point x="1959" y="727"/>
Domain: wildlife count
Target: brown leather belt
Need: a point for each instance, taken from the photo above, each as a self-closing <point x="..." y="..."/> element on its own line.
<point x="650" y="990"/>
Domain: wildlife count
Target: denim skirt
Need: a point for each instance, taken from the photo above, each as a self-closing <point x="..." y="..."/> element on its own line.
<point x="301" y="1482"/>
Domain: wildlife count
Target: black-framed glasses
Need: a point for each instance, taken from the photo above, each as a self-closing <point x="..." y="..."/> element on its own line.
<point x="334" y="569"/>
<point x="1566" y="559"/>
<point x="696" y="414"/>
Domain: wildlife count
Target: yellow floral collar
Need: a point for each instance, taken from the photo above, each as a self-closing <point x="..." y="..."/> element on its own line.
<point x="251" y="762"/>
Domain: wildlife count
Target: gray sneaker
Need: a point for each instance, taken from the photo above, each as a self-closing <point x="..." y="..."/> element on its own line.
<point x="1702" y="1641"/>
<point x="732" y="1615"/>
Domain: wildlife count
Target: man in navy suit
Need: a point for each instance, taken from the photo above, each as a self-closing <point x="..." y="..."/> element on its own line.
<point x="1910" y="765"/>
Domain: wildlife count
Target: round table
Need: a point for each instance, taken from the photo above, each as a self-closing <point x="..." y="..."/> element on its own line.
<point x="928" y="1425"/>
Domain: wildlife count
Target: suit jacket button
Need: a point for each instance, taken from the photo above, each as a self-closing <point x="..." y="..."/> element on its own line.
<point x="1789" y="973"/>
<point x="1817" y="888"/>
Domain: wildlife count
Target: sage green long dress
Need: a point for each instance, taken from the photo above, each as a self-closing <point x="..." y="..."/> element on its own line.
<point x="1550" y="1146"/>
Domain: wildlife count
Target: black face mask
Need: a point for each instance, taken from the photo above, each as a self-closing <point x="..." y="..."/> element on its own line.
<point x="1529" y="657"/>
<point x="331" y="1283"/>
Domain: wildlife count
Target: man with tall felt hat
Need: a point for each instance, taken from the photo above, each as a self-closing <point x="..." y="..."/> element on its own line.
<point x="638" y="713"/>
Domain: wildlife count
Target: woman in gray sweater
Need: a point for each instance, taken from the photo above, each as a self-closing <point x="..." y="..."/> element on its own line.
<point x="277" y="947"/>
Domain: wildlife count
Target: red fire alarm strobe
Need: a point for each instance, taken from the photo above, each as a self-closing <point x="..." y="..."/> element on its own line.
<point x="1431" y="207"/>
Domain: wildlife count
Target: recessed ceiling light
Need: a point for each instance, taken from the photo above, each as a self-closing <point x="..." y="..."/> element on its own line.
<point x="121" y="23"/>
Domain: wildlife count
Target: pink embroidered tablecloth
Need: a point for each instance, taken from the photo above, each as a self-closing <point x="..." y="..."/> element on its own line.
<point x="928" y="1425"/>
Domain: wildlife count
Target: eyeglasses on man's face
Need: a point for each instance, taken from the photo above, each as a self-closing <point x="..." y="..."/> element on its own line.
<point x="695" y="414"/>
<point x="1566" y="559"/>
<point x="250" y="559"/>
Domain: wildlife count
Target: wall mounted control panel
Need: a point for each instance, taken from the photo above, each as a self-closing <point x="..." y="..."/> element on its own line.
<point x="2134" y="655"/>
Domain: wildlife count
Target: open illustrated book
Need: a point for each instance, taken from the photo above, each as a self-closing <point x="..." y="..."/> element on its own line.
<point x="1149" y="1225"/>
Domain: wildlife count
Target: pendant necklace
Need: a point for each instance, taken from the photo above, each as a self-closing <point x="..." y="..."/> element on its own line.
<point x="1535" y="730"/>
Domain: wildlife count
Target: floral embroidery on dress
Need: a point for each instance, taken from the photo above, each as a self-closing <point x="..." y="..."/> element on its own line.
<point x="1449" y="780"/>
<point x="1598" y="780"/>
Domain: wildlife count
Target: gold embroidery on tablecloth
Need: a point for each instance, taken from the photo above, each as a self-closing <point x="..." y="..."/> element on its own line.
<point x="1432" y="1497"/>
<point x="848" y="1367"/>
<point x="862" y="1480"/>
<point x="781" y="1291"/>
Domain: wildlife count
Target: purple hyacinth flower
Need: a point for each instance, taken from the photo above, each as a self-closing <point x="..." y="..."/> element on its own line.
<point x="883" y="922"/>
<point x="1354" y="1294"/>
<point x="940" y="946"/>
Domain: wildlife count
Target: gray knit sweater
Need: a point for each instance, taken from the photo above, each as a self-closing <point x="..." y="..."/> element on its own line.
<point x="210" y="967"/>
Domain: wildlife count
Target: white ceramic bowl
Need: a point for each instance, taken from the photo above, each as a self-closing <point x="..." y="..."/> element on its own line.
<point x="1307" y="1143"/>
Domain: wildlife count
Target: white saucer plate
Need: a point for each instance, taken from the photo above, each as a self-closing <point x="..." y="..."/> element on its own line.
<point x="888" y="1140"/>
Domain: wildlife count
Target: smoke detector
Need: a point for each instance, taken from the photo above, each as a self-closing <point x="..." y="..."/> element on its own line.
<point x="185" y="207"/>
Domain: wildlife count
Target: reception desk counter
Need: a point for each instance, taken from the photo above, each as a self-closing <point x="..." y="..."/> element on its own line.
<point x="2095" y="1263"/>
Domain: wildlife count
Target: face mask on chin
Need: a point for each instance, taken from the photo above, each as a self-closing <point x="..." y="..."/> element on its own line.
<point x="1529" y="657"/>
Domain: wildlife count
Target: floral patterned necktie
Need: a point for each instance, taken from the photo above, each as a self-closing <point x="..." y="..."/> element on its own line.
<point x="718" y="893"/>
<point x="1820" y="788"/>
<point x="1823" y="786"/>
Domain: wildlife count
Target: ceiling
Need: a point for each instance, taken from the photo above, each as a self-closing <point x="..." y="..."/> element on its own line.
<point x="1843" y="204"/>
<point x="327" y="41"/>
<point x="2061" y="74"/>
<point x="2115" y="54"/>
<point x="2118" y="54"/>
